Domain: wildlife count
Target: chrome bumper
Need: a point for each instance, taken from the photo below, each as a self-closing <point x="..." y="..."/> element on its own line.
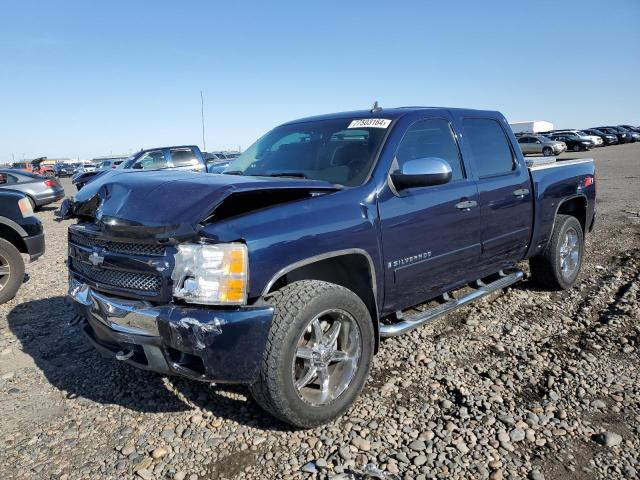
<point x="131" y="317"/>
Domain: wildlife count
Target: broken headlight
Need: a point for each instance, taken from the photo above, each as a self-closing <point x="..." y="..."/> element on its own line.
<point x="211" y="274"/>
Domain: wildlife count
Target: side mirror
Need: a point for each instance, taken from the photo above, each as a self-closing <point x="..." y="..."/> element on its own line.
<point x="137" y="166"/>
<point x="422" y="172"/>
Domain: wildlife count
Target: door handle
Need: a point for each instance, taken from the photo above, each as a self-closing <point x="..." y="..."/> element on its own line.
<point x="466" y="205"/>
<point x="521" y="192"/>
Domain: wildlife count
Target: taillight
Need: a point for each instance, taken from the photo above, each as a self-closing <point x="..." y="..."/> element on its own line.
<point x="588" y="181"/>
<point x="49" y="183"/>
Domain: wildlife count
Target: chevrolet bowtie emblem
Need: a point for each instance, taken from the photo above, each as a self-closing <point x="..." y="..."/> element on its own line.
<point x="96" y="259"/>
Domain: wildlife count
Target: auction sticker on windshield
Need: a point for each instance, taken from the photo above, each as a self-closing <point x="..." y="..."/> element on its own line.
<point x="370" y="123"/>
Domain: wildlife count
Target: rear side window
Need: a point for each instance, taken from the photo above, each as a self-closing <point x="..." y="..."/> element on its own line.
<point x="431" y="138"/>
<point x="490" y="146"/>
<point x="182" y="157"/>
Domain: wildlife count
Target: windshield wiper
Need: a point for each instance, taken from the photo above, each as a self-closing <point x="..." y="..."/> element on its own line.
<point x="287" y="174"/>
<point x="234" y="172"/>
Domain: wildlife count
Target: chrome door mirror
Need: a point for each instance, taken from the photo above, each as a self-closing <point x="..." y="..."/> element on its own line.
<point x="422" y="172"/>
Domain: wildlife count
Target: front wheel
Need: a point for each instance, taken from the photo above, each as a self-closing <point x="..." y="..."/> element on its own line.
<point x="11" y="270"/>
<point x="577" y="148"/>
<point x="559" y="265"/>
<point x="547" y="151"/>
<point x="318" y="354"/>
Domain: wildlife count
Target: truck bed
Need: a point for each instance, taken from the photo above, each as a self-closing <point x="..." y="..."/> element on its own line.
<point x="553" y="184"/>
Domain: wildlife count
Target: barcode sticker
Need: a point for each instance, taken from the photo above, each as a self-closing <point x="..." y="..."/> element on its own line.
<point x="370" y="123"/>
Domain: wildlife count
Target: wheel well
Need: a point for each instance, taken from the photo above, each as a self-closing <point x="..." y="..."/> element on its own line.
<point x="13" y="237"/>
<point x="576" y="207"/>
<point x="351" y="271"/>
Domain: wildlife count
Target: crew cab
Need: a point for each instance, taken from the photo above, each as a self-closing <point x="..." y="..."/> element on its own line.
<point x="285" y="272"/>
<point x="184" y="157"/>
<point x="20" y="232"/>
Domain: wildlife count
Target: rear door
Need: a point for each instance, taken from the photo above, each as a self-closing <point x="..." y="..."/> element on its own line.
<point x="505" y="192"/>
<point x="430" y="235"/>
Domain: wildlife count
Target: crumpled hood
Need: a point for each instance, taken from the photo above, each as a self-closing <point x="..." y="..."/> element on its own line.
<point x="171" y="203"/>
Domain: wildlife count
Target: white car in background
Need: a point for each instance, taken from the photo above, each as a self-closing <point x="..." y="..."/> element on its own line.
<point x="598" y="142"/>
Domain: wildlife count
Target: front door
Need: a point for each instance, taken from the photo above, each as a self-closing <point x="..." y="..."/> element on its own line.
<point x="505" y="193"/>
<point x="430" y="235"/>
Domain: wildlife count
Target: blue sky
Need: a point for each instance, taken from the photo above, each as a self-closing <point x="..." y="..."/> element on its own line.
<point x="93" y="78"/>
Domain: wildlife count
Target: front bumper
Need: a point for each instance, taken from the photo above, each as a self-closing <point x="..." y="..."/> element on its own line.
<point x="215" y="345"/>
<point x="35" y="245"/>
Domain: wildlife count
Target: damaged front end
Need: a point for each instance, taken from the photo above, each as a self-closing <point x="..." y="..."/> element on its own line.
<point x="146" y="281"/>
<point x="216" y="345"/>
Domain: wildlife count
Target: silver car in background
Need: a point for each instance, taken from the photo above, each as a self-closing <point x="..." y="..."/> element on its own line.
<point x="541" y="145"/>
<point x="39" y="190"/>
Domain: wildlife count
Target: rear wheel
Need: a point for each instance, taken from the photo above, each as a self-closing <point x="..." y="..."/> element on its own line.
<point x="547" y="151"/>
<point x="559" y="265"/>
<point x="318" y="353"/>
<point x="11" y="270"/>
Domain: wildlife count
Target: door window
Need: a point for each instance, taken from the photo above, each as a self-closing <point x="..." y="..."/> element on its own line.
<point x="490" y="147"/>
<point x="151" y="160"/>
<point x="183" y="157"/>
<point x="431" y="138"/>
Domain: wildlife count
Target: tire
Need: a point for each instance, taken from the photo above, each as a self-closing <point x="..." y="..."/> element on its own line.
<point x="292" y="334"/>
<point x="558" y="266"/>
<point x="547" y="151"/>
<point x="12" y="263"/>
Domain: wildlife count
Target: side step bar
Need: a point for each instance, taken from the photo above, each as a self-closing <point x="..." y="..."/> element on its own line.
<point x="452" y="304"/>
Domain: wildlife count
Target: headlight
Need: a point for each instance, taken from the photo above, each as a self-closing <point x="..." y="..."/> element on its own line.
<point x="211" y="274"/>
<point x="25" y="207"/>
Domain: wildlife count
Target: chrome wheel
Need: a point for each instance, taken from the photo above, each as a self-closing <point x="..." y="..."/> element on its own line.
<point x="327" y="357"/>
<point x="5" y="272"/>
<point x="569" y="253"/>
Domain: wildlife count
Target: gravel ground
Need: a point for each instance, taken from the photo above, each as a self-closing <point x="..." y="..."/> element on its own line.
<point x="527" y="384"/>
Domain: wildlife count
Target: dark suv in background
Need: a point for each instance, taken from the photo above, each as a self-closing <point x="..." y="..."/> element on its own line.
<point x="624" y="136"/>
<point x="607" y="138"/>
<point x="573" y="141"/>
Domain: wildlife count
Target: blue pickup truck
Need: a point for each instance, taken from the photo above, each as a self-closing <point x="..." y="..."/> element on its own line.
<point x="183" y="157"/>
<point x="287" y="270"/>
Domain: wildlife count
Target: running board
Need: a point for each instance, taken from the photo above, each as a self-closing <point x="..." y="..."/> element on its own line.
<point x="452" y="304"/>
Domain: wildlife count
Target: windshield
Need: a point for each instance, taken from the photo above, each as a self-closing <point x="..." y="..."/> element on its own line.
<point x="329" y="150"/>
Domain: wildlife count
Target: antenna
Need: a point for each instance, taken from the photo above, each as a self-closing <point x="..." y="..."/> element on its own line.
<point x="204" y="144"/>
<point x="376" y="108"/>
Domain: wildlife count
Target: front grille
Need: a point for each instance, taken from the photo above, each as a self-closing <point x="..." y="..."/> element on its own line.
<point x="117" y="247"/>
<point x="115" y="278"/>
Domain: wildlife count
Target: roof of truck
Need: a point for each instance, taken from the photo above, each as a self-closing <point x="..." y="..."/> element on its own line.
<point x="389" y="113"/>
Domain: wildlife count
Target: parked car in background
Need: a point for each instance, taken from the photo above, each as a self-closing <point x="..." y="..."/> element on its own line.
<point x="44" y="167"/>
<point x="635" y="136"/>
<point x="39" y="190"/>
<point x="607" y="138"/>
<point x="88" y="167"/>
<point x="216" y="161"/>
<point x="180" y="157"/>
<point x="20" y="232"/>
<point x="573" y="141"/>
<point x="64" y="169"/>
<point x="597" y="141"/>
<point x="539" y="144"/>
<point x="320" y="239"/>
<point x="623" y="135"/>
<point x="109" y="163"/>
